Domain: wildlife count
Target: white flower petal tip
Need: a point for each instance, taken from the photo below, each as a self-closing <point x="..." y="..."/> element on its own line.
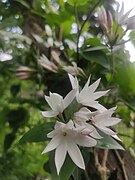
<point x="116" y="137"/>
<point x="87" y="96"/>
<point x="49" y="114"/>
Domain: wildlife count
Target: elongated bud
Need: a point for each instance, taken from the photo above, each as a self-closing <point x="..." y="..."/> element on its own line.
<point x="102" y="16"/>
<point x="110" y="20"/>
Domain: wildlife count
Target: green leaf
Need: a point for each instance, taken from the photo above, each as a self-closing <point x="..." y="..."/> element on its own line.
<point x="69" y="111"/>
<point x="95" y="48"/>
<point x="132" y="37"/>
<point x="77" y="2"/>
<point x="24" y="3"/>
<point x="98" y="57"/>
<point x="37" y="133"/>
<point x="66" y="170"/>
<point x="61" y="2"/>
<point x="107" y="142"/>
<point x="124" y="77"/>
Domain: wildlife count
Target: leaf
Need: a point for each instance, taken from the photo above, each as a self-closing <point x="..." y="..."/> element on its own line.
<point x="69" y="111"/>
<point x="77" y="2"/>
<point x="24" y="3"/>
<point x="66" y="170"/>
<point x="107" y="142"/>
<point x="9" y="138"/>
<point x="98" y="57"/>
<point x="124" y="77"/>
<point x="38" y="133"/>
<point x="95" y="48"/>
<point x="132" y="37"/>
<point x="8" y="22"/>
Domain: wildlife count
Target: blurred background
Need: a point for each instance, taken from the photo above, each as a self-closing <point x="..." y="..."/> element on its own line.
<point x="40" y="42"/>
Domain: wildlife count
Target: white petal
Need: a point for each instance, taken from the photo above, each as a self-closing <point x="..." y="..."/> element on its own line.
<point x="57" y="102"/>
<point x="94" y="86"/>
<point x="82" y="115"/>
<point x="69" y="98"/>
<point x="74" y="82"/>
<point x="85" y="141"/>
<point x="104" y="115"/>
<point x="53" y="144"/>
<point x="48" y="100"/>
<point x="97" y="95"/>
<point x="109" y="122"/>
<point x="83" y="92"/>
<point x="70" y="124"/>
<point x="52" y="134"/>
<point x="98" y="106"/>
<point x="116" y="137"/>
<point x="95" y="134"/>
<point x="49" y="113"/>
<point x="60" y="155"/>
<point x="75" y="154"/>
<point x="59" y="125"/>
<point x="106" y="130"/>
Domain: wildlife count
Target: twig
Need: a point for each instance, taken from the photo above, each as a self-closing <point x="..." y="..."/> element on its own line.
<point x="122" y="165"/>
<point x="82" y="26"/>
<point x="105" y="158"/>
<point x="101" y="168"/>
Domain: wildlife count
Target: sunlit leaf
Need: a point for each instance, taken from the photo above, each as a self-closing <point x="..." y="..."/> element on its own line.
<point x="77" y="2"/>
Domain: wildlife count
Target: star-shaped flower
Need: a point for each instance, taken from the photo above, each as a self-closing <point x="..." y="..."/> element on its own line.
<point x="123" y="18"/>
<point x="57" y="103"/>
<point x="65" y="139"/>
<point x="87" y="96"/>
<point x="103" y="121"/>
<point x="97" y="120"/>
<point x="82" y="118"/>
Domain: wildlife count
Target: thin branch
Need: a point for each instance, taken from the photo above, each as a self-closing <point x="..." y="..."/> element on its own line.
<point x="122" y="165"/>
<point x="105" y="157"/>
<point x="89" y="14"/>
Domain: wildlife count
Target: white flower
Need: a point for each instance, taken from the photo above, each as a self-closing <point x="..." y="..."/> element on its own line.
<point x="47" y="64"/>
<point x="74" y="70"/>
<point x="65" y="138"/>
<point x="48" y="30"/>
<point x="57" y="103"/>
<point x="131" y="23"/>
<point x="82" y="118"/>
<point x="123" y="19"/>
<point x="87" y="96"/>
<point x="104" y="120"/>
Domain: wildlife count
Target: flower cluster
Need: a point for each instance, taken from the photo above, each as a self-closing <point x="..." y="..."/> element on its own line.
<point x="115" y="27"/>
<point x="83" y="127"/>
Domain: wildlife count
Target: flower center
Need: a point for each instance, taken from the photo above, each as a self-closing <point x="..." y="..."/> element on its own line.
<point x="64" y="133"/>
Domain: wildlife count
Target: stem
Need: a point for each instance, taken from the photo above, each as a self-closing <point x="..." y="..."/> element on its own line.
<point x="78" y="36"/>
<point x="61" y="117"/>
<point x="122" y="165"/>
<point x="89" y="14"/>
<point x="104" y="174"/>
<point x="86" y="175"/>
<point x="112" y="68"/>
